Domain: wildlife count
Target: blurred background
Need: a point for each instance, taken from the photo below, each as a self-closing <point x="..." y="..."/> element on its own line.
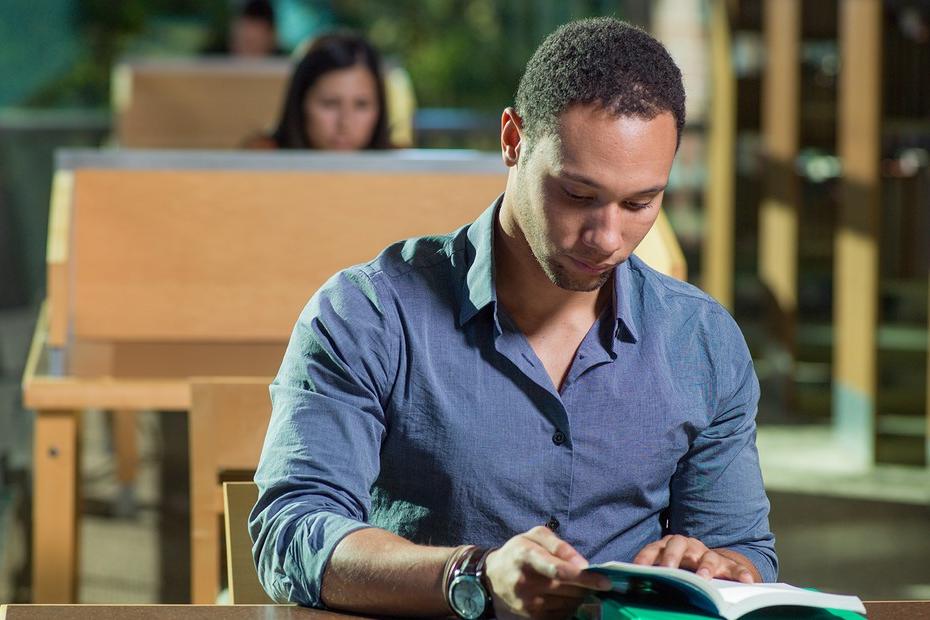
<point x="800" y="199"/>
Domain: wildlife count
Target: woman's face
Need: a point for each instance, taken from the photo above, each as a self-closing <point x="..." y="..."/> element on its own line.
<point x="341" y="109"/>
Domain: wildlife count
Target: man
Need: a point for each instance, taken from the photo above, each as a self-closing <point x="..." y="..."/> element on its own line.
<point x="439" y="404"/>
<point x="253" y="33"/>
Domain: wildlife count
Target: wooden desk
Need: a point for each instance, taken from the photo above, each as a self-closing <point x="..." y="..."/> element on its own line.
<point x="167" y="266"/>
<point x="159" y="612"/>
<point x="877" y="610"/>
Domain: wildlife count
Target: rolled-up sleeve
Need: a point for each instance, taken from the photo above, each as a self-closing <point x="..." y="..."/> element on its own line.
<point x="717" y="492"/>
<point x="321" y="452"/>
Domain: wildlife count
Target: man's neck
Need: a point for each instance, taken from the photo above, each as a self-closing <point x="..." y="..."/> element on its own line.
<point x="527" y="293"/>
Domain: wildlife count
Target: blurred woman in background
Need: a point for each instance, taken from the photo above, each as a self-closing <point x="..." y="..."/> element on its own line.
<point x="335" y="99"/>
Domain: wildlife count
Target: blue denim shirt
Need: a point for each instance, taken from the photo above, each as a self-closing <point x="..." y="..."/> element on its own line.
<point x="408" y="400"/>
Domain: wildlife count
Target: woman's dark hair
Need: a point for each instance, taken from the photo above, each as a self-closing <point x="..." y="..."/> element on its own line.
<point x="327" y="53"/>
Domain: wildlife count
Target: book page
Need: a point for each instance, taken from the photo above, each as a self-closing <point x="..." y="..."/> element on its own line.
<point x="741" y="598"/>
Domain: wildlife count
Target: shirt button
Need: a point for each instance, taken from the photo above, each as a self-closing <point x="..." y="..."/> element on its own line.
<point x="558" y="438"/>
<point x="552" y="523"/>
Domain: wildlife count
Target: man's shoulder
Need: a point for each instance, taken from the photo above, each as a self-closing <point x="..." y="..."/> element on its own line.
<point x="405" y="263"/>
<point x="675" y="300"/>
<point x="670" y="288"/>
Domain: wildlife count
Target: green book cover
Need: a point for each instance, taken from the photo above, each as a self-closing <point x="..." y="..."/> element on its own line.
<point x="663" y="593"/>
<point x="616" y="610"/>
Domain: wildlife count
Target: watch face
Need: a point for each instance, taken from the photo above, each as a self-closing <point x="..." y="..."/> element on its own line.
<point x="467" y="597"/>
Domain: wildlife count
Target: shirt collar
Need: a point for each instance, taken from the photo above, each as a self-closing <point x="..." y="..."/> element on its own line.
<point x="623" y="289"/>
<point x="479" y="287"/>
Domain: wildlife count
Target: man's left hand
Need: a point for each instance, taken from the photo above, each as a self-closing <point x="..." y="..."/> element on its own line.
<point x="679" y="551"/>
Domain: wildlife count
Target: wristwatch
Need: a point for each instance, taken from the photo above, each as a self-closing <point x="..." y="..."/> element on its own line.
<point x="467" y="592"/>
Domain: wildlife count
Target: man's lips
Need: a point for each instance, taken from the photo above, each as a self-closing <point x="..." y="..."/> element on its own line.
<point x="588" y="267"/>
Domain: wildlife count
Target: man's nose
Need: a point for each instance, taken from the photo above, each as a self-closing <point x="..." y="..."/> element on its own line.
<point x="604" y="230"/>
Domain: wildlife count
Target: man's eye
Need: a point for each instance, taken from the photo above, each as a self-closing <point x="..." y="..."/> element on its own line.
<point x="577" y="197"/>
<point x="638" y="206"/>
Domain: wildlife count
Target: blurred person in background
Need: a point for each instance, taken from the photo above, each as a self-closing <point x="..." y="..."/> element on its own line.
<point x="252" y="33"/>
<point x="335" y="99"/>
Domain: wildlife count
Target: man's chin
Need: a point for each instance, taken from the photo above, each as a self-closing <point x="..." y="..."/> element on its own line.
<point x="581" y="284"/>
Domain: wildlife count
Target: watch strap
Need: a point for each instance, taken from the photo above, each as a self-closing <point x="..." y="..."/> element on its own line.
<point x="469" y="560"/>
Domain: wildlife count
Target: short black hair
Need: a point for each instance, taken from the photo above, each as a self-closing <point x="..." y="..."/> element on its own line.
<point x="600" y="60"/>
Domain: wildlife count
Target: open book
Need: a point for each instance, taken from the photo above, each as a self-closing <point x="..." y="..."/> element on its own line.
<point x="682" y="590"/>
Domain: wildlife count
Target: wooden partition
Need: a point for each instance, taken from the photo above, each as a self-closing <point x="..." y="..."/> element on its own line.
<point x="855" y="270"/>
<point x="166" y="266"/>
<point x="718" y="248"/>
<point x="781" y="132"/>
<point x="213" y="103"/>
<point x="228" y="418"/>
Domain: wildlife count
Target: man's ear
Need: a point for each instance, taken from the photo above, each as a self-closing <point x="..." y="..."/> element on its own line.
<point x="511" y="137"/>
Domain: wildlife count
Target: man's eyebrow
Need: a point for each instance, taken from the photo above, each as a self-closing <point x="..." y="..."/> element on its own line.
<point x="580" y="178"/>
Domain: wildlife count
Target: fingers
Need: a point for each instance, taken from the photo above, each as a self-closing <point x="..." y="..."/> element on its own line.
<point x="547" y="564"/>
<point x="690" y="553"/>
<point x="561" y="561"/>
<point x="711" y="565"/>
<point x="547" y="539"/>
<point x="537" y="574"/>
<point x="675" y="550"/>
<point x="649" y="555"/>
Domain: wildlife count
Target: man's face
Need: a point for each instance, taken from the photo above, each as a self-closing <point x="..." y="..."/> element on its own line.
<point x="251" y="37"/>
<point x="589" y="192"/>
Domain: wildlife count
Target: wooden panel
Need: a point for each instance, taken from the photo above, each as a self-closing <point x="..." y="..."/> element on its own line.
<point x="877" y="610"/>
<point x="856" y="255"/>
<point x="228" y="421"/>
<point x="210" y="104"/>
<point x="54" y="512"/>
<point x="778" y="213"/>
<point x="48" y="393"/>
<point x="718" y="245"/>
<point x="57" y="251"/>
<point x="222" y="255"/>
<point x="244" y="587"/>
<point x="166" y="360"/>
<point x="126" y="447"/>
<point x="171" y="612"/>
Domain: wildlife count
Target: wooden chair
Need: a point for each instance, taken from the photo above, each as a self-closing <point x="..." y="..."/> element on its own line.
<point x="217" y="103"/>
<point x="228" y="420"/>
<point x="244" y="587"/>
<point x="165" y="266"/>
<point x="212" y="103"/>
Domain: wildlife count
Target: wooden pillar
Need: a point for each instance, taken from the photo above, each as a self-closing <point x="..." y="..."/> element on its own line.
<point x="717" y="254"/>
<point x="856" y="254"/>
<point x="54" y="507"/>
<point x="125" y="446"/>
<point x="778" y="213"/>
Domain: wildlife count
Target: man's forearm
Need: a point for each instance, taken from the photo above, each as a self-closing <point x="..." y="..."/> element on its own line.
<point x="375" y="571"/>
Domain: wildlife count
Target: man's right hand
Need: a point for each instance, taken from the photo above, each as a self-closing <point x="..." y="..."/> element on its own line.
<point x="539" y="575"/>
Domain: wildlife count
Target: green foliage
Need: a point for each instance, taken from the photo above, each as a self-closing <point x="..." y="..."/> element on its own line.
<point x="459" y="53"/>
<point x="106" y="31"/>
